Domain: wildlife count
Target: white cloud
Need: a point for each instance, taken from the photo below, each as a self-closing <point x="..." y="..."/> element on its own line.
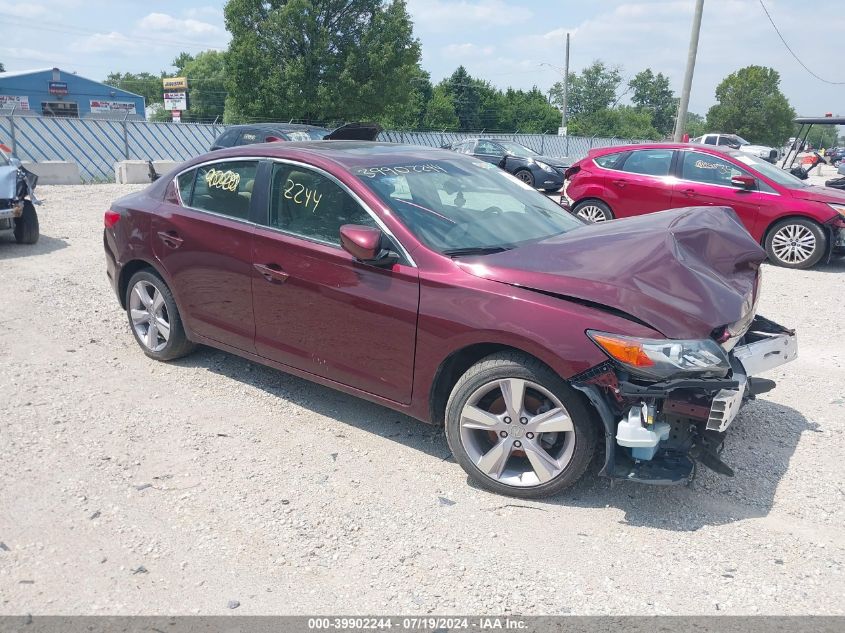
<point x="167" y="25"/>
<point x="466" y="14"/>
<point x="113" y="43"/>
<point x="23" y="10"/>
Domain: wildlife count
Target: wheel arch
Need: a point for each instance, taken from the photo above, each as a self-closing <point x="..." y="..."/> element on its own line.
<point x="455" y="365"/>
<point x="590" y="198"/>
<point x="792" y="216"/>
<point x="130" y="268"/>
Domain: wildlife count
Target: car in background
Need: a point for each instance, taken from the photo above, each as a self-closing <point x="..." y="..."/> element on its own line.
<point x="733" y="141"/>
<point x="532" y="168"/>
<point x="798" y="224"/>
<point x="17" y="199"/>
<point x="834" y="155"/>
<point x="440" y="286"/>
<point x="236" y="135"/>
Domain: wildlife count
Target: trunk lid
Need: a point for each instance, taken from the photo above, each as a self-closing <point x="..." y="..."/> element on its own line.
<point x="684" y="272"/>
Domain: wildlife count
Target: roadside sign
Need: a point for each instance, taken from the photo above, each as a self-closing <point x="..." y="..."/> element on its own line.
<point x="99" y="106"/>
<point x="176" y="115"/>
<point x="174" y="83"/>
<point x="561" y="131"/>
<point x="176" y="100"/>
<point x="57" y="88"/>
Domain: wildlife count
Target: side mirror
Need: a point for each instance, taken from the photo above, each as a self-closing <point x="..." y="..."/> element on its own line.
<point x="364" y="244"/>
<point x="744" y="182"/>
<point x="14" y="161"/>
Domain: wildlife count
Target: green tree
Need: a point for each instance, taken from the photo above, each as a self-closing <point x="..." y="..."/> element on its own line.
<point x="696" y="125"/>
<point x="751" y="104"/>
<point x="2" y="68"/>
<point x="320" y="60"/>
<point x="410" y="114"/>
<point x="466" y="98"/>
<point x="622" y="122"/>
<point x="440" y="111"/>
<point x="821" y="136"/>
<point x="145" y="84"/>
<point x="181" y="61"/>
<point x="206" y="73"/>
<point x="652" y="93"/>
<point x="592" y="90"/>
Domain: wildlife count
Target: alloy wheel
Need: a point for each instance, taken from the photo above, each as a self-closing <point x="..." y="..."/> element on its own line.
<point x="525" y="177"/>
<point x="150" y="319"/>
<point x="592" y="213"/>
<point x="794" y="244"/>
<point x="517" y="432"/>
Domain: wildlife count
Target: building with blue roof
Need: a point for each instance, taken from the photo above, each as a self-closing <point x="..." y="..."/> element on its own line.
<point x="53" y="92"/>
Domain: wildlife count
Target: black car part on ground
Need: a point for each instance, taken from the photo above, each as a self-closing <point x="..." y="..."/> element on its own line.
<point x="688" y="405"/>
<point x="803" y="172"/>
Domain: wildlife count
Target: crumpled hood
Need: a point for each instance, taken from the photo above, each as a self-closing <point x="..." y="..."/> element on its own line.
<point x="684" y="272"/>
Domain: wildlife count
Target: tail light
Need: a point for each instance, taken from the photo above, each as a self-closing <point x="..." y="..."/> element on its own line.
<point x="110" y="218"/>
<point x="273" y="139"/>
<point x="571" y="171"/>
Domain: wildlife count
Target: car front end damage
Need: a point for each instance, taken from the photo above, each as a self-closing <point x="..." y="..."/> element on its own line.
<point x="17" y="187"/>
<point x="658" y="423"/>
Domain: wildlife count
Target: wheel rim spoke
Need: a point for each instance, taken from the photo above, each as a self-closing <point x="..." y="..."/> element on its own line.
<point x="473" y="417"/>
<point x="152" y="336"/>
<point x="163" y="328"/>
<point x="493" y="461"/>
<point x="544" y="465"/>
<point x="513" y="391"/>
<point x="157" y="302"/>
<point x="554" y="421"/>
<point x="794" y="244"/>
<point x="141" y="292"/>
<point x="139" y="316"/>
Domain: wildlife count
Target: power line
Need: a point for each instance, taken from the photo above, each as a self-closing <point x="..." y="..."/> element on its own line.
<point x="798" y="59"/>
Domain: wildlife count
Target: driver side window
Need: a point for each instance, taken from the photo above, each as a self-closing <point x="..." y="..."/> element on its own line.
<point x="310" y="205"/>
<point x="489" y="149"/>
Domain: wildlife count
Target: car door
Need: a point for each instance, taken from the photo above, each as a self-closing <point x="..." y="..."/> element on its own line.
<point x="705" y="179"/>
<point x="205" y="246"/>
<point x="318" y="309"/>
<point x="642" y="183"/>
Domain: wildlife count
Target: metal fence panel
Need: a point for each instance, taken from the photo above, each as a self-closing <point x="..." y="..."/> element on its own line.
<point x="97" y="144"/>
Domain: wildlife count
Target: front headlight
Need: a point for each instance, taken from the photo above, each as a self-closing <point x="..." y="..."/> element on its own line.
<point x="839" y="208"/>
<point x="546" y="168"/>
<point x="663" y="358"/>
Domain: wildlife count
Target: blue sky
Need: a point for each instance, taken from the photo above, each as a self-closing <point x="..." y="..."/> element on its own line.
<point x="505" y="41"/>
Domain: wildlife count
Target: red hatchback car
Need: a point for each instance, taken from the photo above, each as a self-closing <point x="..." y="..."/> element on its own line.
<point x="443" y="287"/>
<point x="798" y="224"/>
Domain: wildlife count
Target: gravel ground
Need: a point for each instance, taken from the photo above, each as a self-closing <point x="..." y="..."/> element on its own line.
<point x="134" y="487"/>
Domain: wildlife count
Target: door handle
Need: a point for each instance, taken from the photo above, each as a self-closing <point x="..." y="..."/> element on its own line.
<point x="688" y="192"/>
<point x="272" y="272"/>
<point x="620" y="183"/>
<point x="170" y="238"/>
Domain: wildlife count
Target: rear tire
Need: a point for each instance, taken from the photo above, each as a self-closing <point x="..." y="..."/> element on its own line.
<point x="518" y="429"/>
<point x="26" y="226"/>
<point x="796" y="243"/>
<point x="150" y="306"/>
<point x="592" y="210"/>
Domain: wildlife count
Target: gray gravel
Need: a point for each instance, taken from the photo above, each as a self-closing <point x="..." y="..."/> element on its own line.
<point x="134" y="487"/>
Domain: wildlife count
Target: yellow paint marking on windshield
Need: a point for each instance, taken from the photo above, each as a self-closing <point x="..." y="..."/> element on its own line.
<point x="226" y="180"/>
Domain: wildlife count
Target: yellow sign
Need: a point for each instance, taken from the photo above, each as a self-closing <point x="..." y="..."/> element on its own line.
<point x="175" y="83"/>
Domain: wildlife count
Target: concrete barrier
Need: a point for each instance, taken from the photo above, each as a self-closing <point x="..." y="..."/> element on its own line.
<point x="137" y="172"/>
<point x="55" y="172"/>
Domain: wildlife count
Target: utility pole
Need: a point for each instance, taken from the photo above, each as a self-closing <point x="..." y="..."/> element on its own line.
<point x="683" y="105"/>
<point x="565" y="88"/>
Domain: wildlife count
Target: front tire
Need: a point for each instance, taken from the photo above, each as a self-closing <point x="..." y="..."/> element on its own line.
<point x="525" y="176"/>
<point x="796" y="243"/>
<point x="26" y="226"/>
<point x="517" y="428"/>
<point x="154" y="318"/>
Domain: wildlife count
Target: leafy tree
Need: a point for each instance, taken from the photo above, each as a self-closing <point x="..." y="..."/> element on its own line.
<point x="622" y="121"/>
<point x="821" y="136"/>
<point x="652" y="93"/>
<point x="2" y="68"/>
<point x="696" y="125"/>
<point x="440" y="111"/>
<point x="145" y="84"/>
<point x="591" y="91"/>
<point x="320" y="60"/>
<point x="181" y="61"/>
<point x="206" y="75"/>
<point x="466" y="98"/>
<point x="751" y="104"/>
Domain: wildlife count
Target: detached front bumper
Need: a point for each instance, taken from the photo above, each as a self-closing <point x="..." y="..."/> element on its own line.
<point x="656" y="432"/>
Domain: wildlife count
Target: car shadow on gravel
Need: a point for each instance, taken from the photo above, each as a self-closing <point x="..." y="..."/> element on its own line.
<point x="835" y="265"/>
<point x="759" y="446"/>
<point x="324" y="401"/>
<point x="9" y="249"/>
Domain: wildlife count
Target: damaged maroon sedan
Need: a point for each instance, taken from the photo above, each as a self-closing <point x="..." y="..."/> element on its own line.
<point x="445" y="288"/>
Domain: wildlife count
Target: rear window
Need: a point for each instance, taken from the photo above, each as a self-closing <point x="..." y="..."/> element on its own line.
<point x="227" y="139"/>
<point x="607" y="160"/>
<point x="649" y="162"/>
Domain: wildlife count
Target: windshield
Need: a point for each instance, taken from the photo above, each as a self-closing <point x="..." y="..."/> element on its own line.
<point x="773" y="172"/>
<point x="739" y="140"/>
<point x="517" y="150"/>
<point x="466" y="206"/>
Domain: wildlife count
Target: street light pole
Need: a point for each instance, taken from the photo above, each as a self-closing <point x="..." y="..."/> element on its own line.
<point x="683" y="105"/>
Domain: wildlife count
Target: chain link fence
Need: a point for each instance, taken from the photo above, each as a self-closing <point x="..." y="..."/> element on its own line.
<point x="96" y="144"/>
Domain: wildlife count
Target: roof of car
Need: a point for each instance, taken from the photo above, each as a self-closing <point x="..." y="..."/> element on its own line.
<point x="722" y="149"/>
<point x="344" y="153"/>
<point x="274" y="126"/>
